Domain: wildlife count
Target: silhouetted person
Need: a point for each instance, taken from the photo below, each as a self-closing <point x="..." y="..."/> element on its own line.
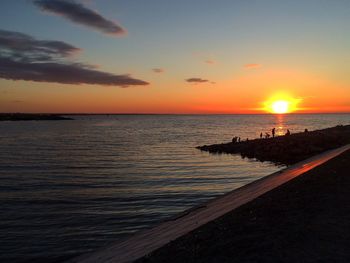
<point x="288" y="133"/>
<point x="247" y="140"/>
<point x="273" y="132"/>
<point x="239" y="139"/>
<point x="234" y="139"/>
<point x="260" y="135"/>
<point x="306" y="130"/>
<point x="267" y="135"/>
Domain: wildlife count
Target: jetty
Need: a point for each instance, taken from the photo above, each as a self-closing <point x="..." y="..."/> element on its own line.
<point x="287" y="149"/>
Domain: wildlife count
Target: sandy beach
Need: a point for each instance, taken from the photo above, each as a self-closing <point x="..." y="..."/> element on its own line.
<point x="305" y="220"/>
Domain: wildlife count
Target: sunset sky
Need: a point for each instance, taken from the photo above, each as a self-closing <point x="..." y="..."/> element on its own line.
<point x="184" y="56"/>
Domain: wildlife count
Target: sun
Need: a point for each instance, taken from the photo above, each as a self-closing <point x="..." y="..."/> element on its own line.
<point x="281" y="104"/>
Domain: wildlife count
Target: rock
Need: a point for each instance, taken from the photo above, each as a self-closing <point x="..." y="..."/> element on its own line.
<point x="286" y="149"/>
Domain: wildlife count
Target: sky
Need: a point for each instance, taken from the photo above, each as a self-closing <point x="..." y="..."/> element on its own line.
<point x="184" y="56"/>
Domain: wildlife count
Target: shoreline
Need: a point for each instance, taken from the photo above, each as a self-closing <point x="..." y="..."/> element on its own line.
<point x="304" y="220"/>
<point x="148" y="241"/>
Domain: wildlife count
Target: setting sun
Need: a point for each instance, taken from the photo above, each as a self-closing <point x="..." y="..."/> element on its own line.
<point x="281" y="103"/>
<point x="280" y="106"/>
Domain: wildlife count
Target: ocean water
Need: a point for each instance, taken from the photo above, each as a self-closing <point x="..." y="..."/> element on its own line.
<point x="70" y="187"/>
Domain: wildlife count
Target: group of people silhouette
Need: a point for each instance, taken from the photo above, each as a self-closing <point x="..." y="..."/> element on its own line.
<point x="237" y="139"/>
<point x="266" y="136"/>
<point x="273" y="132"/>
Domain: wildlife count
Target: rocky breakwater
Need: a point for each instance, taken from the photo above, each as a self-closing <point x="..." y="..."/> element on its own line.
<point x="288" y="149"/>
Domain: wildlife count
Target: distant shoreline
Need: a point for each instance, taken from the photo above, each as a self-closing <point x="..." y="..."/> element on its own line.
<point x="32" y="117"/>
<point x="178" y="114"/>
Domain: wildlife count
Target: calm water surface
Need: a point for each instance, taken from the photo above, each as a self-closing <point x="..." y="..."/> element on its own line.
<point x="69" y="187"/>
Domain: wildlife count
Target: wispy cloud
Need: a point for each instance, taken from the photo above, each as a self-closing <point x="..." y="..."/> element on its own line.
<point x="209" y="61"/>
<point x="23" y="57"/>
<point x="158" y="70"/>
<point x="252" y="66"/>
<point x="196" y="80"/>
<point x="78" y="13"/>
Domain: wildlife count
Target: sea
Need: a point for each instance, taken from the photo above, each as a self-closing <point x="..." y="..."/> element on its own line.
<point x="70" y="187"/>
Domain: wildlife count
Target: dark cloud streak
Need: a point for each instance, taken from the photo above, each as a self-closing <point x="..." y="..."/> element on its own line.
<point x="196" y="80"/>
<point x="24" y="45"/>
<point x="23" y="57"/>
<point x="62" y="73"/>
<point x="80" y="14"/>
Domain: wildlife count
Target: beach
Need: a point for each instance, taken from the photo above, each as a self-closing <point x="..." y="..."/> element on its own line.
<point x="305" y="220"/>
<point x="151" y="131"/>
<point x="138" y="130"/>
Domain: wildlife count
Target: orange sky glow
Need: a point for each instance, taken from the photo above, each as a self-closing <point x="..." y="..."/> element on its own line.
<point x="254" y="55"/>
<point x="246" y="93"/>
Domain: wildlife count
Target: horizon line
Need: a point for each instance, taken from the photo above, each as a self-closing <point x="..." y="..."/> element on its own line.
<point x="136" y="113"/>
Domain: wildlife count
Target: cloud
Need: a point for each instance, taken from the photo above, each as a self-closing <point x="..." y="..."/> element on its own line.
<point x="23" y="57"/>
<point x="22" y="44"/>
<point x="158" y="70"/>
<point x="252" y="66"/>
<point x="78" y="13"/>
<point x="209" y="61"/>
<point x="196" y="80"/>
<point x="73" y="73"/>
